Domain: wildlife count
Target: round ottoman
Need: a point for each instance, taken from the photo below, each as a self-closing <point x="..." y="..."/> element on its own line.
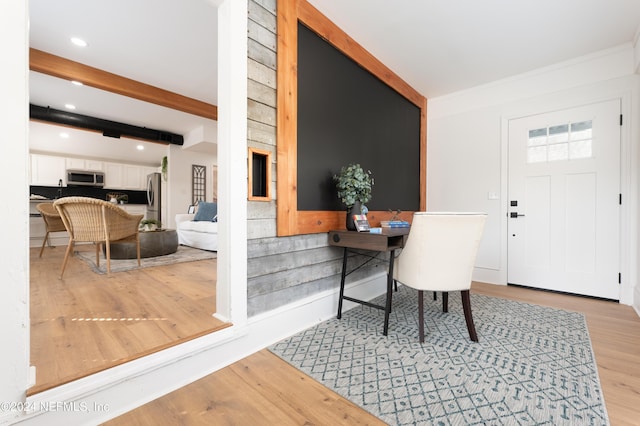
<point x="152" y="243"/>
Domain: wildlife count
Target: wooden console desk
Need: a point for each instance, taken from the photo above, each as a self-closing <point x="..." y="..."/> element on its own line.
<point x="390" y="240"/>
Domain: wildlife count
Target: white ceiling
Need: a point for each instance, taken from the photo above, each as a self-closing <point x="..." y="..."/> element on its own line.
<point x="169" y="44"/>
<point x="441" y="46"/>
<point x="437" y="46"/>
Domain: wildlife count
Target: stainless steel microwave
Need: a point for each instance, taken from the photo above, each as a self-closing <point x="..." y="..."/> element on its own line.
<point x="85" y="178"/>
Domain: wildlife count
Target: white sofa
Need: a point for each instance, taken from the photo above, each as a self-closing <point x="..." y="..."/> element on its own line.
<point x="201" y="234"/>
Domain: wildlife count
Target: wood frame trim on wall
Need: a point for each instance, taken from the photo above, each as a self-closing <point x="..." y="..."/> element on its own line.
<point x="266" y="178"/>
<point x="291" y="221"/>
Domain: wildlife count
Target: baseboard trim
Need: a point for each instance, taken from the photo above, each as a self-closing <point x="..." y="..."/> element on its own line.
<point x="97" y="398"/>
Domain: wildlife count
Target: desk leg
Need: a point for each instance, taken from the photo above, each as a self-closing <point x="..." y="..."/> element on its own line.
<point x="387" y="308"/>
<point x="342" y="278"/>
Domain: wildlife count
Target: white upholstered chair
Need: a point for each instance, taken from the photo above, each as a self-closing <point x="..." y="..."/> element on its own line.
<point x="439" y="255"/>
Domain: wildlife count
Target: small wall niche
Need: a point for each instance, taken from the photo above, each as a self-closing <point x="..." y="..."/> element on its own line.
<point x="259" y="175"/>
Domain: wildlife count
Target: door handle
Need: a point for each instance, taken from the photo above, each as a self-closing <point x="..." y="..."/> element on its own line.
<point x="514" y="215"/>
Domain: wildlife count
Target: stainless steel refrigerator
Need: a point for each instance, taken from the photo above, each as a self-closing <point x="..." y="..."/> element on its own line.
<point x="154" y="196"/>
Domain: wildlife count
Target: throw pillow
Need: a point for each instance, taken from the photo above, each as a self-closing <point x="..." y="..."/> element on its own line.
<point x="206" y="212"/>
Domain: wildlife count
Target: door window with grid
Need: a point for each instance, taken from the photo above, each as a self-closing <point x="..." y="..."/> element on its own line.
<point x="569" y="141"/>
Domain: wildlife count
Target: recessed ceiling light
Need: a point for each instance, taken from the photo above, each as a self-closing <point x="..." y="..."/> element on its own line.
<point x="140" y="147"/>
<point x="78" y="42"/>
<point x="77" y="83"/>
<point x="69" y="106"/>
<point x="64" y="135"/>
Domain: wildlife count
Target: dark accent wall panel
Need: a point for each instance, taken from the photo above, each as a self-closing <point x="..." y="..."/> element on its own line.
<point x="347" y="115"/>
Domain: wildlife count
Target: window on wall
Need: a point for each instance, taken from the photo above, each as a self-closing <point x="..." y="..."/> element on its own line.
<point x="562" y="142"/>
<point x="198" y="183"/>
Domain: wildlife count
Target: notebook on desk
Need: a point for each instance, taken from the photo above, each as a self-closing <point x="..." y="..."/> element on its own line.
<point x="362" y="224"/>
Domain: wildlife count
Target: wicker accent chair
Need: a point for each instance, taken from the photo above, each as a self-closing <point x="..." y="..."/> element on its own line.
<point x="52" y="221"/>
<point x="439" y="255"/>
<point x="97" y="221"/>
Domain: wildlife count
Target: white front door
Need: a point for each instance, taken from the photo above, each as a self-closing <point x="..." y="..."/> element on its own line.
<point x="564" y="189"/>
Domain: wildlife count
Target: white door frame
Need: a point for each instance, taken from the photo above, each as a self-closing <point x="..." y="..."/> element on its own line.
<point x="628" y="169"/>
<point x="565" y="199"/>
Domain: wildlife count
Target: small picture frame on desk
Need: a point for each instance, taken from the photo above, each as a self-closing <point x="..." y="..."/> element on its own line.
<point x="361" y="222"/>
<point x="191" y="209"/>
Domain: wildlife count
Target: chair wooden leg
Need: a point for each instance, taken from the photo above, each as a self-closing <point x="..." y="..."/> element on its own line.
<point x="97" y="255"/>
<point x="466" y="305"/>
<point x="66" y="257"/>
<point x="46" y="238"/>
<point x="138" y="248"/>
<point x="107" y="247"/>
<point x="421" y="315"/>
<point x="445" y="302"/>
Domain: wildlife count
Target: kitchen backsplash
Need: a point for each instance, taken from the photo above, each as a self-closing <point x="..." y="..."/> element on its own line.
<point x="53" y="192"/>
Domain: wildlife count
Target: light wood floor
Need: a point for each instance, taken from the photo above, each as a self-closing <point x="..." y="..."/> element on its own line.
<point x="88" y="322"/>
<point x="264" y="390"/>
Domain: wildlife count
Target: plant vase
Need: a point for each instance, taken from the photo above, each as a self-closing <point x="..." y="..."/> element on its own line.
<point x="355" y="209"/>
<point x="353" y="186"/>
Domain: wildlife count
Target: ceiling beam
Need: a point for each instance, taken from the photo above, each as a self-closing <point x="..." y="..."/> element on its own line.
<point x="57" y="66"/>
<point x="108" y="128"/>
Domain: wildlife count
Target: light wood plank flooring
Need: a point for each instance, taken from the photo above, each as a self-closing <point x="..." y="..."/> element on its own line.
<point x="262" y="389"/>
<point x="88" y="322"/>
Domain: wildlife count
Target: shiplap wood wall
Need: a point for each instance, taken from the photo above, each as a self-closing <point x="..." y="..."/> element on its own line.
<point x="280" y="269"/>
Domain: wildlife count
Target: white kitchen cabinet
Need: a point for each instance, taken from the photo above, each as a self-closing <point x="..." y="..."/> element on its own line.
<point x="132" y="177"/>
<point x="113" y="175"/>
<point x="47" y="170"/>
<point x="82" y="164"/>
<point x="126" y="176"/>
<point x="123" y="176"/>
<point x="74" y="163"/>
<point x="94" y="165"/>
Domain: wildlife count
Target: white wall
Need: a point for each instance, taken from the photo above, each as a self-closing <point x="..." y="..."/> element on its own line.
<point x="14" y="261"/>
<point x="466" y="146"/>
<point x="636" y="46"/>
<point x="178" y="182"/>
<point x="132" y="384"/>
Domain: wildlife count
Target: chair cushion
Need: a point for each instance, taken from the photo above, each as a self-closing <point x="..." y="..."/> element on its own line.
<point x="206" y="212"/>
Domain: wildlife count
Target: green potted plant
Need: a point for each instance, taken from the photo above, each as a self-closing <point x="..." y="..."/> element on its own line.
<point x="147" y="225"/>
<point x="353" y="186"/>
<point x="165" y="167"/>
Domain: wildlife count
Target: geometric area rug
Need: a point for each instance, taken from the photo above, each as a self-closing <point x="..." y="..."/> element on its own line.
<point x="534" y="365"/>
<point x="183" y="254"/>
